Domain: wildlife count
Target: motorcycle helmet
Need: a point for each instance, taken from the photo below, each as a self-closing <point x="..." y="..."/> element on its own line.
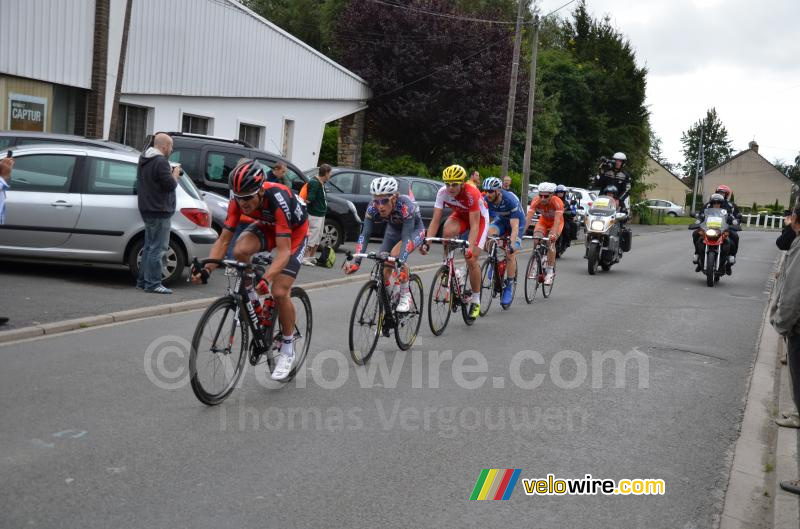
<point x="725" y="191"/>
<point x="620" y="156"/>
<point x="611" y="190"/>
<point x="561" y="188"/>
<point x="717" y="198"/>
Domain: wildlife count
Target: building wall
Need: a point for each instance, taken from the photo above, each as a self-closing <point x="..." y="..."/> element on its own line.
<point x="752" y="179"/>
<point x="668" y="187"/>
<point x="226" y="114"/>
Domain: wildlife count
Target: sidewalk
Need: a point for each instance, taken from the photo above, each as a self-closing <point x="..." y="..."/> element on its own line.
<point x="765" y="454"/>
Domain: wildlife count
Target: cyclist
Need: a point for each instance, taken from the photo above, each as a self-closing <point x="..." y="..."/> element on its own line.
<point x="550" y="223"/>
<point x="469" y="219"/>
<point x="281" y="223"/>
<point x="507" y="220"/>
<point x="404" y="231"/>
<point x="570" y="212"/>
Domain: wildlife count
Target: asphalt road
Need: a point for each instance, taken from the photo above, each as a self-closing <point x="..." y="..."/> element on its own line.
<point x="34" y="293"/>
<point x="89" y="439"/>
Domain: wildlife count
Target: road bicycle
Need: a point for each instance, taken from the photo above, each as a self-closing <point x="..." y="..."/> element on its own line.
<point x="375" y="310"/>
<point x="230" y="331"/>
<point x="535" y="271"/>
<point x="493" y="273"/>
<point x="450" y="290"/>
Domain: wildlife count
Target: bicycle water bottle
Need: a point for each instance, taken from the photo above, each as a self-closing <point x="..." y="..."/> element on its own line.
<point x="265" y="318"/>
<point x="501" y="269"/>
<point x="395" y="291"/>
<point x="460" y="274"/>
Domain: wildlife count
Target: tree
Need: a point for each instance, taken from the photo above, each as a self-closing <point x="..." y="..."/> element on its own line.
<point x="716" y="144"/>
<point x="301" y="18"/>
<point x="791" y="171"/>
<point x="656" y="152"/>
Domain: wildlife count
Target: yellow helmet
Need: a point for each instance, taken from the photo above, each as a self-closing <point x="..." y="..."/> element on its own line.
<point x="454" y="173"/>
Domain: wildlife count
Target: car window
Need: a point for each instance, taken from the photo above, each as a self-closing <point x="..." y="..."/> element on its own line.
<point x="219" y="164"/>
<point x="110" y="177"/>
<point x="5" y="141"/>
<point x="424" y="191"/>
<point x="364" y="182"/>
<point x="50" y="173"/>
<point x="291" y="175"/>
<point x="188" y="186"/>
<point x="343" y="183"/>
<point x="189" y="160"/>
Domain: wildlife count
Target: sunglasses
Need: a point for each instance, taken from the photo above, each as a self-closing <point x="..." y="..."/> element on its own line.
<point x="453" y="185"/>
<point x="383" y="201"/>
<point x="245" y="198"/>
<point x="544" y="196"/>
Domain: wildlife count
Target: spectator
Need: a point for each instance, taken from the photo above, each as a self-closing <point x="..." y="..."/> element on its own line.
<point x="507" y="183"/>
<point x="278" y="174"/>
<point x="317" y="206"/>
<point x="156" y="185"/>
<point x="785" y="318"/>
<point x="475" y="178"/>
<point x="5" y="175"/>
<point x="787" y="236"/>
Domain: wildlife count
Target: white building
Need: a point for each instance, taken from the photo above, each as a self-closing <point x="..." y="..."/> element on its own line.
<point x="206" y="66"/>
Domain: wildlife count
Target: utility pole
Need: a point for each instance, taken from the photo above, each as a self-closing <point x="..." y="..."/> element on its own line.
<point x="697" y="170"/>
<point x="526" y="159"/>
<point x="512" y="88"/>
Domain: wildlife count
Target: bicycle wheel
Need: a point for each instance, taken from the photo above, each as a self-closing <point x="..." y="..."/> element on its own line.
<point x="440" y="302"/>
<point x="532" y="277"/>
<point x="365" y="323"/>
<point x="488" y="271"/>
<point x="302" y="332"/>
<point x="407" y="323"/>
<point x="547" y="289"/>
<point x="219" y="350"/>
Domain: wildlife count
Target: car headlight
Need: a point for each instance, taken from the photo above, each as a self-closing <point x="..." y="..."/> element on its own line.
<point x="712" y="234"/>
<point x="598" y="225"/>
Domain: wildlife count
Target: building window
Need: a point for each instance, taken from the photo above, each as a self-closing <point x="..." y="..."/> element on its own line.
<point x="250" y="134"/>
<point x="133" y="128"/>
<point x="195" y="124"/>
<point x="288" y="137"/>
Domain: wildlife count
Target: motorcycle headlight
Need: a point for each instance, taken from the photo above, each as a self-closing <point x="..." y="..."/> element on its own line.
<point x="598" y="225"/>
<point x="712" y="234"/>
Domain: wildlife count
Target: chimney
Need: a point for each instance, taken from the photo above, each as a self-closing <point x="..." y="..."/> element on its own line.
<point x="753" y="145"/>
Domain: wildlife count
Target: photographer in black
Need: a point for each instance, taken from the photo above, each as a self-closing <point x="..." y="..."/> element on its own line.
<point x="612" y="173"/>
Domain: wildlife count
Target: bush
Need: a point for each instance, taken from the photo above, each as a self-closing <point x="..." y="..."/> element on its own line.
<point x="375" y="157"/>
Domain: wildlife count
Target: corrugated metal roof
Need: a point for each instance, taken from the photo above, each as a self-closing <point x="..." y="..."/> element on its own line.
<point x="218" y="48"/>
<point x="47" y="40"/>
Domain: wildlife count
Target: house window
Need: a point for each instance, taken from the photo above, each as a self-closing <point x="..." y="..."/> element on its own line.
<point x="288" y="137"/>
<point x="133" y="129"/>
<point x="250" y="134"/>
<point x="194" y="124"/>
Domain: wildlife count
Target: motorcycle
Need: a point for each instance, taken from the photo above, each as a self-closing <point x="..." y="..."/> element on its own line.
<point x="603" y="235"/>
<point x="714" y="230"/>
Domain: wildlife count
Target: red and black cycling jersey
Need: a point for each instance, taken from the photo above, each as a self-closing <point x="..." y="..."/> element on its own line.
<point x="279" y="208"/>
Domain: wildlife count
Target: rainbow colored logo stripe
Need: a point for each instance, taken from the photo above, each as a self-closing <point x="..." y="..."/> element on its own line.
<point x="496" y="484"/>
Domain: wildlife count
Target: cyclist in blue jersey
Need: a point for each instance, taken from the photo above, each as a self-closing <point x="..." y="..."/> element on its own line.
<point x="404" y="231"/>
<point x="508" y="219"/>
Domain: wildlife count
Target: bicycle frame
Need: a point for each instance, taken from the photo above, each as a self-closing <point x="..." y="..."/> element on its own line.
<point x="377" y="276"/>
<point x="449" y="262"/>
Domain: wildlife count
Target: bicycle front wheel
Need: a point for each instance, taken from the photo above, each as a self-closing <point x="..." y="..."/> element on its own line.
<point x="532" y="277"/>
<point x="407" y="323"/>
<point x="219" y="350"/>
<point x="365" y="323"/>
<point x="440" y="302"/>
<point x="488" y="271"/>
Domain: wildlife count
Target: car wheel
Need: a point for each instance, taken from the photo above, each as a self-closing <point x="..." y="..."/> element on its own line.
<point x="332" y="234"/>
<point x="672" y="214"/>
<point x="175" y="261"/>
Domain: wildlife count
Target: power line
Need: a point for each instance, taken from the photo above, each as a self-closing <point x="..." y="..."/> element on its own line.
<point x="444" y="15"/>
<point x="559" y="9"/>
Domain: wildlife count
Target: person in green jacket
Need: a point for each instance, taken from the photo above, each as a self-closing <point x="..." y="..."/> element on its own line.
<point x="317" y="207"/>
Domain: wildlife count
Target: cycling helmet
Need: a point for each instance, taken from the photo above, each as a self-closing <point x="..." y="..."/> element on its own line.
<point x="454" y="174"/>
<point x="611" y="190"/>
<point x="717" y="198"/>
<point x="246" y="178"/>
<point x="383" y="185"/>
<point x="724" y="190"/>
<point x="620" y="156"/>
<point x="547" y="187"/>
<point x="561" y="188"/>
<point x="492" y="183"/>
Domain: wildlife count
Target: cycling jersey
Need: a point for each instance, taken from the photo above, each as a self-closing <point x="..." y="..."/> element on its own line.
<point x="280" y="214"/>
<point x="549" y="212"/>
<point x="404" y="223"/>
<point x="468" y="200"/>
<point x="508" y="208"/>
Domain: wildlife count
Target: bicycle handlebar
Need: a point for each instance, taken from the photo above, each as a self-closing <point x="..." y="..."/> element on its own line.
<point x="371" y="255"/>
<point x="454" y="242"/>
<point x="198" y="264"/>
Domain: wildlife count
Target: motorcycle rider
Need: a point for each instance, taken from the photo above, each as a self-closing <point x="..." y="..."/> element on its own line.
<point x="613" y="173"/>
<point x="733" y="236"/>
<point x="570" y="212"/>
<point x="717" y="201"/>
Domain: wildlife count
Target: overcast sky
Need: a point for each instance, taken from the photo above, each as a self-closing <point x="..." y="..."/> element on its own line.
<point x="742" y="57"/>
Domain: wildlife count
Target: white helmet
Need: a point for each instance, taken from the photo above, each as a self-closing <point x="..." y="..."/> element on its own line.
<point x="547" y="187"/>
<point x="383" y="185"/>
<point x="620" y="156"/>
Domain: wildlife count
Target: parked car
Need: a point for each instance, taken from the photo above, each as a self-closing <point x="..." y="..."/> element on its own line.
<point x="71" y="203"/>
<point x="670" y="208"/>
<point x="208" y="160"/>
<point x="11" y="139"/>
<point x="353" y="184"/>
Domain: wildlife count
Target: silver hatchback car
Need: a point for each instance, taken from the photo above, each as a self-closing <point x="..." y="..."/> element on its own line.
<point x="79" y="204"/>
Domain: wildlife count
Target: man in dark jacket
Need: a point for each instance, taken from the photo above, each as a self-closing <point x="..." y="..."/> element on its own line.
<point x="155" y="185"/>
<point x="317" y="206"/>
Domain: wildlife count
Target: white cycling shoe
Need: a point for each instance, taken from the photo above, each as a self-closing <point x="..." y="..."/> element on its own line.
<point x="404" y="305"/>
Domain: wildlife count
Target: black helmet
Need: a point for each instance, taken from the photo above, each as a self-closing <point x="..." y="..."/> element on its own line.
<point x="246" y="178"/>
<point x="611" y="190"/>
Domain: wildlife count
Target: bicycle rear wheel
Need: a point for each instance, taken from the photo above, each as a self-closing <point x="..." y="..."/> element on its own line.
<point x="302" y="332"/>
<point x="488" y="271"/>
<point x="407" y="323"/>
<point x="365" y="323"/>
<point x="219" y="350"/>
<point x="532" y="277"/>
<point x="440" y="302"/>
